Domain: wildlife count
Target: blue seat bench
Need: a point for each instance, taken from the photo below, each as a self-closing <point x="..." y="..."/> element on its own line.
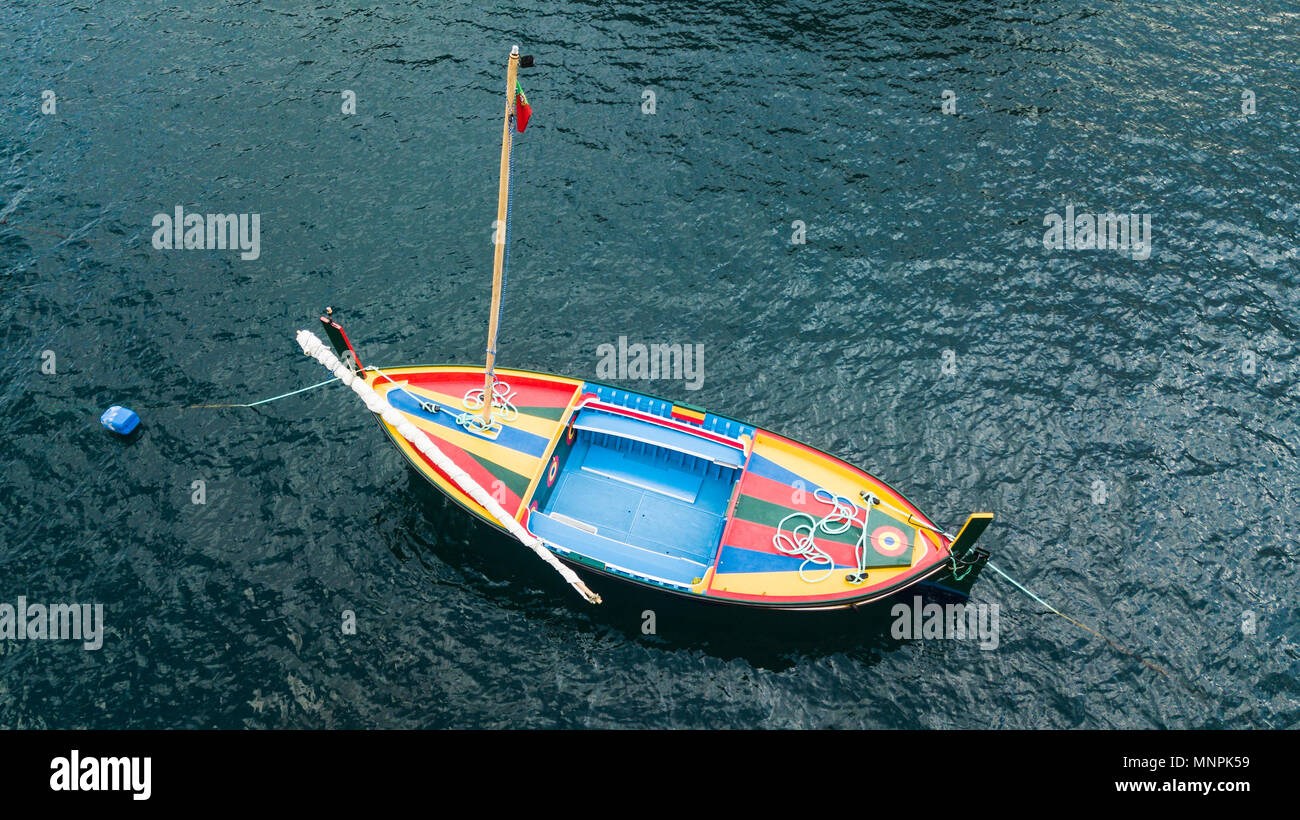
<point x="624" y="427"/>
<point x="619" y="554"/>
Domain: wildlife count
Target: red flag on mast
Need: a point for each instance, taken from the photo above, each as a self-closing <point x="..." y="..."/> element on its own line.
<point x="522" y="109"/>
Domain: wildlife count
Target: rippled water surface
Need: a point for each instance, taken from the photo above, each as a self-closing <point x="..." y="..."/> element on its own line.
<point x="1166" y="387"/>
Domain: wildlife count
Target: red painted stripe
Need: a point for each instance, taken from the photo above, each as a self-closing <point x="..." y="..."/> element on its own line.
<point x="747" y="535"/>
<point x="776" y="492"/>
<point x="470" y="465"/>
<point x="529" y="391"/>
<point x="815" y="599"/>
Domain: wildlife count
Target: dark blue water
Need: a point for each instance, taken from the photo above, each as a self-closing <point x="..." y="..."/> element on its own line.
<point x="1165" y="387"/>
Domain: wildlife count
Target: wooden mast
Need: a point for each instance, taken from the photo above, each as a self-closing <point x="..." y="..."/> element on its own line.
<point x="499" y="238"/>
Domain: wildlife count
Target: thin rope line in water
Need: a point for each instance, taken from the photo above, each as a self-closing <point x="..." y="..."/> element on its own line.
<point x="264" y="401"/>
<point x="1077" y="623"/>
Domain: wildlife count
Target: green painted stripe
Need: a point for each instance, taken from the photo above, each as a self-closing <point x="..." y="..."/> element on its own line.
<point x="582" y="559"/>
<point x="549" y="413"/>
<point x="758" y="511"/>
<point x="514" y="482"/>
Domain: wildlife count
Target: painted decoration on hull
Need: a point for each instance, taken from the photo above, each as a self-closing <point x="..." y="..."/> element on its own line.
<point x="507" y="465"/>
<point x="783" y="477"/>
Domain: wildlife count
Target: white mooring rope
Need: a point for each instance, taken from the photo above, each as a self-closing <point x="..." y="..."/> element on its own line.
<point x="312" y="346"/>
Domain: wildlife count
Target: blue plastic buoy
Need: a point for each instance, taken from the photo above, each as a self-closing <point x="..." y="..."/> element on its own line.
<point x="120" y="420"/>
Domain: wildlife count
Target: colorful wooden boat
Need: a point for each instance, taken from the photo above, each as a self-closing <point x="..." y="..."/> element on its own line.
<point x="634" y="487"/>
<point x="624" y="485"/>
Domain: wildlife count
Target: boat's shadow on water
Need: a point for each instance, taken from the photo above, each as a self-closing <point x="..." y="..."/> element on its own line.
<point x="439" y="531"/>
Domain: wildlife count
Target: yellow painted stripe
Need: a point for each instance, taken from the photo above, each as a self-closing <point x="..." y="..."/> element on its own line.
<point x="560" y="428"/>
<point x="789" y="584"/>
<point x="537" y="425"/>
<point x="686" y="412"/>
<point x="703" y="586"/>
<point x="513" y="460"/>
<point x="826" y="472"/>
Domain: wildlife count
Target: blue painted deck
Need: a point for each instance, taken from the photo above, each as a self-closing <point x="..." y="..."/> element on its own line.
<point x="656" y="510"/>
<point x="640" y="470"/>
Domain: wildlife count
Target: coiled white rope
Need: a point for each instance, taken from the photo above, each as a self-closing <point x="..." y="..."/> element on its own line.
<point x="501" y="396"/>
<point x="312" y="346"/>
<point x="801" y="541"/>
<point x="473" y="401"/>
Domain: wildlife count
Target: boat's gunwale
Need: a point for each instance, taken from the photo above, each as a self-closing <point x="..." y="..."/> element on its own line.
<point x="849" y="600"/>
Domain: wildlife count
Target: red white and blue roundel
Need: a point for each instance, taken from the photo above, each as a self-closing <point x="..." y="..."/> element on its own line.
<point x="889" y="541"/>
